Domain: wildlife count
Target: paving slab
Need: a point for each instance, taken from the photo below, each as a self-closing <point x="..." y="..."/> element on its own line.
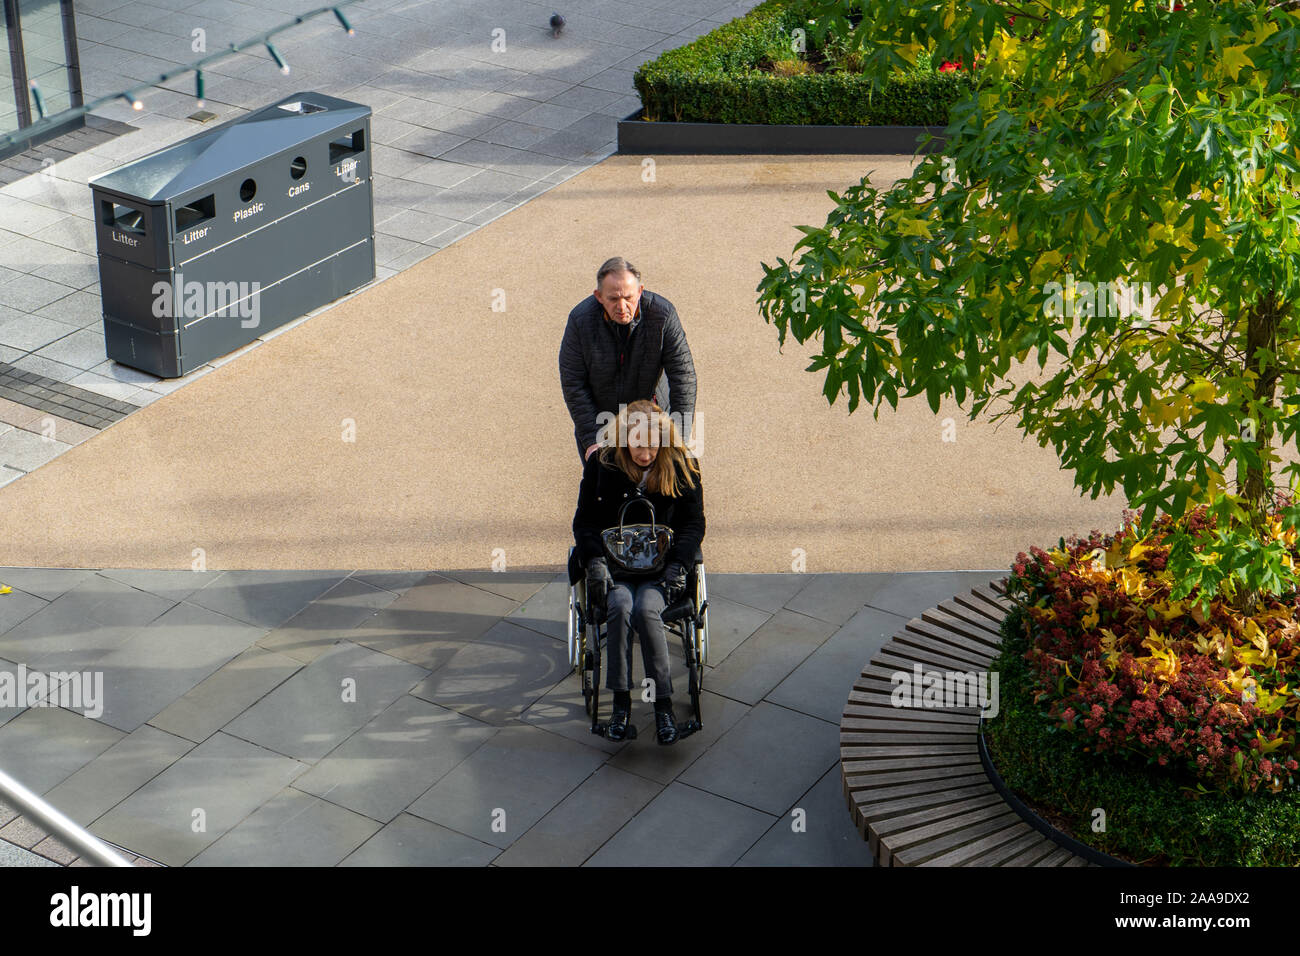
<point x="107" y="601"/>
<point x="43" y="746"/>
<point x="411" y="841"/>
<point x="768" y="759"/>
<point x="171" y="585"/>
<point x="329" y="618"/>
<point x="498" y="675"/>
<point x="326" y="702"/>
<point x="191" y="804"/>
<point x="910" y="593"/>
<point x="820" y="685"/>
<point x="116" y="773"/>
<point x="431" y="622"/>
<point x="508" y="784"/>
<point x="646" y="758"/>
<point x="291" y="829"/>
<point x="396" y="757"/>
<point x="583" y="821"/>
<point x="768" y="656"/>
<point x="47" y="583"/>
<point x="265" y="598"/>
<point x="230" y="690"/>
<point x="684" y="826"/>
<point x="165" y="659"/>
<point x="822" y="834"/>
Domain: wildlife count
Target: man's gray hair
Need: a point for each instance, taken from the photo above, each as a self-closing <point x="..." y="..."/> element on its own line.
<point x="617" y="264"/>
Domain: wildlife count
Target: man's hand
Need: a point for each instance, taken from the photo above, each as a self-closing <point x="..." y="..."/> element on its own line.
<point x="590" y="450"/>
<point x="674" y="582"/>
<point x="598" y="582"/>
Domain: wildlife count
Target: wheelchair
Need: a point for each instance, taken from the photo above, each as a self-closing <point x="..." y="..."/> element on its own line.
<point x="688" y="618"/>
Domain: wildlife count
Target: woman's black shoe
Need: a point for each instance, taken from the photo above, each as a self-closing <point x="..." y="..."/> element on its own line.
<point x="666" y="726"/>
<point x="617" y="729"/>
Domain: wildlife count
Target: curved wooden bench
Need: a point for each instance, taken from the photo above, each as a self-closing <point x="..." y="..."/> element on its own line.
<point x="912" y="775"/>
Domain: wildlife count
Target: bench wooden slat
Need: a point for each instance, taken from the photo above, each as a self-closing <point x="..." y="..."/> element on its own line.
<point x="1056" y="858"/>
<point x="873" y="725"/>
<point x="974" y="851"/>
<point x="955" y="610"/>
<point x="902" y="813"/>
<point x="977" y="643"/>
<point x="985" y="608"/>
<point x="902" y="657"/>
<point x="915" y="788"/>
<point x="1022" y="844"/>
<point x="887" y="711"/>
<point x="955" y="815"/>
<point x="880" y="777"/>
<point x="977" y="660"/>
<point x="916" y="855"/>
<point x="858" y="750"/>
<point x="1076" y="861"/>
<point x="954" y="829"/>
<point x="955" y="624"/>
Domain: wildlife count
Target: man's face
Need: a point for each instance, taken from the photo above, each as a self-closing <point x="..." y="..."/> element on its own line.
<point x="619" y="293"/>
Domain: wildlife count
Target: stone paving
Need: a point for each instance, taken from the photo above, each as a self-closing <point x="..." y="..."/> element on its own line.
<point x="477" y="109"/>
<point x="464" y="741"/>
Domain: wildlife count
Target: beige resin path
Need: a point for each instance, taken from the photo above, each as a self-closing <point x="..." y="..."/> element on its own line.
<point x="463" y="444"/>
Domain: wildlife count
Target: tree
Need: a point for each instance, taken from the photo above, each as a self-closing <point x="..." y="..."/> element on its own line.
<point x="1121" y="190"/>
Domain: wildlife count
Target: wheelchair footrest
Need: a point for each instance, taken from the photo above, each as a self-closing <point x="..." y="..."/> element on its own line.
<point x="601" y="730"/>
<point x="688" y="727"/>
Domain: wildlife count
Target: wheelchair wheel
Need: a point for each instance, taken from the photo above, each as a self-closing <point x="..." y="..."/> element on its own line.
<point x="577" y="598"/>
<point x="702" y="601"/>
<point x="590" y="674"/>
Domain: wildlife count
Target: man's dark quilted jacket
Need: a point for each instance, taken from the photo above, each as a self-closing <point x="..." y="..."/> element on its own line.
<point x="657" y="364"/>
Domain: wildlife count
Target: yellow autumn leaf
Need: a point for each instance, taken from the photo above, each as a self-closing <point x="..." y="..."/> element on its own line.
<point x="913" y="227"/>
<point x="1255" y="635"/>
<point x="1203" y="391"/>
<point x="1234" y="59"/>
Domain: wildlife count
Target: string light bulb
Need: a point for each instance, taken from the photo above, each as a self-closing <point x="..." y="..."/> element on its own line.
<point x="132" y="100"/>
<point x="344" y="20"/>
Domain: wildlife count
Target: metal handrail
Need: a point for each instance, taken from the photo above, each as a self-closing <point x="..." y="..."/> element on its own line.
<point x="69" y="832"/>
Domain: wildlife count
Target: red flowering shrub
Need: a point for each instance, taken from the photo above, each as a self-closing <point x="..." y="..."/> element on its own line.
<point x="1127" y="669"/>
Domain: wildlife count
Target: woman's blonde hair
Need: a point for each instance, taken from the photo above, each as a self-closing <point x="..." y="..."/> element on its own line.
<point x="674" y="462"/>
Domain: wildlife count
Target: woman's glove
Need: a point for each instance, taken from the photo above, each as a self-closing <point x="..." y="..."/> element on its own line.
<point x="674" y="582"/>
<point x="598" y="582"/>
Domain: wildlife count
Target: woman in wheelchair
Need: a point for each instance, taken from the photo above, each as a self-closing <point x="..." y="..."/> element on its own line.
<point x="647" y="461"/>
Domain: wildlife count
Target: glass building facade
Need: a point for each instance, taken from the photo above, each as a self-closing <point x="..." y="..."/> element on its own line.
<point x="38" y="44"/>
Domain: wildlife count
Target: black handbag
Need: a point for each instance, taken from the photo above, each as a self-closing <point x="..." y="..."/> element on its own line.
<point x="637" y="550"/>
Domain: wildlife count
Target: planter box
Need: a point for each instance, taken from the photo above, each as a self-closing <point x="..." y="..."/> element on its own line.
<point x="635" y="135"/>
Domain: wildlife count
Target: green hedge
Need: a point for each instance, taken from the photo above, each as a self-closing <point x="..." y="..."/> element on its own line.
<point x="1150" y="816"/>
<point x="716" y="79"/>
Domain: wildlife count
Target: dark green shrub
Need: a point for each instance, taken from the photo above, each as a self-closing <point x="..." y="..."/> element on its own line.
<point x="722" y="77"/>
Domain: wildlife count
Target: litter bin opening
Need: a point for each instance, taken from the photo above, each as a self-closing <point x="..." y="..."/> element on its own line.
<point x="298" y="168"/>
<point x="122" y="217"/>
<point x="195" y="212"/>
<point x="346" y="146"/>
<point x="247" y="190"/>
<point x="301" y="106"/>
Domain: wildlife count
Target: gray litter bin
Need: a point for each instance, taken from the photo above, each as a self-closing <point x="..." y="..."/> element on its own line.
<point x="211" y="242"/>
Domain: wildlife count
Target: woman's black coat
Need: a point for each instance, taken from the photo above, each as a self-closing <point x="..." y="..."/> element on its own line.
<point x="603" y="491"/>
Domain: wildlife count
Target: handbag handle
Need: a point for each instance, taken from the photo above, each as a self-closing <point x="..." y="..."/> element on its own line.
<point x="654" y="529"/>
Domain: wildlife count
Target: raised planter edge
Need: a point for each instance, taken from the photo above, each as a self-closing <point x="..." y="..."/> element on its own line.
<point x="638" y="136"/>
<point x="1090" y="854"/>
